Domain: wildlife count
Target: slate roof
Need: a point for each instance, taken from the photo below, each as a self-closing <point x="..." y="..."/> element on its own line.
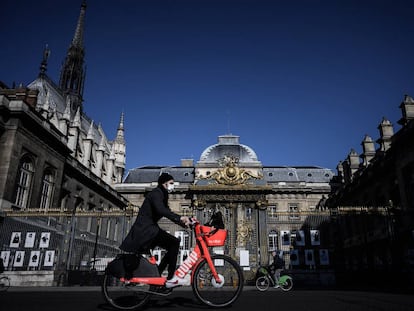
<point x="297" y="174"/>
<point x="148" y="174"/>
<point x="229" y="144"/>
<point x="271" y="174"/>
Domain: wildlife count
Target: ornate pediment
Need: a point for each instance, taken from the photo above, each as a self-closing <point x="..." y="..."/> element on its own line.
<point x="229" y="172"/>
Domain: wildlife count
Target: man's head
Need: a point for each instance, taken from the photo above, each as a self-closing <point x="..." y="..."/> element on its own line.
<point x="167" y="181"/>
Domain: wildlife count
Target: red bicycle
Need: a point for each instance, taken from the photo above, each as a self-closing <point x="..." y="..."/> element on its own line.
<point x="216" y="280"/>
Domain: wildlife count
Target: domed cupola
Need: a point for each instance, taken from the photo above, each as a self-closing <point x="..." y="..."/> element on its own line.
<point x="229" y="145"/>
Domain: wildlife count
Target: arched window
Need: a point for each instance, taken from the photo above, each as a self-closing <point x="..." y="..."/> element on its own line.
<point x="48" y="185"/>
<point x="24" y="182"/>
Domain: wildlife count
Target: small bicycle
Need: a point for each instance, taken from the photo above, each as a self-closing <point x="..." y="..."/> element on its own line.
<point x="4" y="283"/>
<point x="264" y="280"/>
<point x="216" y="280"/>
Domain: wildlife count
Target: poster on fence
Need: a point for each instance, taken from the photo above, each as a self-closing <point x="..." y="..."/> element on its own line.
<point x="294" y="257"/>
<point x="5" y="255"/>
<point x="285" y="236"/>
<point x="244" y="258"/>
<point x="34" y="259"/>
<point x="18" y="259"/>
<point x="44" y="240"/>
<point x="49" y="258"/>
<point x="30" y="239"/>
<point x="15" y="239"/>
<point x="324" y="257"/>
<point x="315" y="237"/>
<point x="309" y="258"/>
<point x="300" y="238"/>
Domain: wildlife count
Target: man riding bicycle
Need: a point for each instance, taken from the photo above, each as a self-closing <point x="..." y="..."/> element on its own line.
<point x="277" y="267"/>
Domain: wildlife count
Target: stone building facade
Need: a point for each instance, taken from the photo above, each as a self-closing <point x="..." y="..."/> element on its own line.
<point x="375" y="204"/>
<point x="57" y="175"/>
<point x="264" y="208"/>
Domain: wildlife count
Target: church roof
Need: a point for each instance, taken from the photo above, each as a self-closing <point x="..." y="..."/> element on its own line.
<point x="49" y="93"/>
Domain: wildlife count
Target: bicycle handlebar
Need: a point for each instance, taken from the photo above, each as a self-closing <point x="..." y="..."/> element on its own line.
<point x="193" y="222"/>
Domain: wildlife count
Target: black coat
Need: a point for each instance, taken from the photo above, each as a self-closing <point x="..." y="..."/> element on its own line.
<point x="278" y="263"/>
<point x="145" y="227"/>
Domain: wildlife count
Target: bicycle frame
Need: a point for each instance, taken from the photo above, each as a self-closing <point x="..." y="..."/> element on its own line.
<point x="269" y="276"/>
<point x="200" y="252"/>
<point x="282" y="278"/>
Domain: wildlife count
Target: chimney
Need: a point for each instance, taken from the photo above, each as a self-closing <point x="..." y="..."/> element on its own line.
<point x="187" y="162"/>
<point x="386" y="132"/>
<point x="368" y="152"/>
<point x="407" y="110"/>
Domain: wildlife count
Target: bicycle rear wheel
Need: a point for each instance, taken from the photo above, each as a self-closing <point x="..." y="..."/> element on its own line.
<point x="124" y="296"/>
<point x="4" y="283"/>
<point x="262" y="283"/>
<point x="214" y="294"/>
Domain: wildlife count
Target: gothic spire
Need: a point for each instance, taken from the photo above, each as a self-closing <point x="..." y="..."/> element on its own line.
<point x="77" y="40"/>
<point x="72" y="75"/>
<point x="43" y="64"/>
<point x="120" y="132"/>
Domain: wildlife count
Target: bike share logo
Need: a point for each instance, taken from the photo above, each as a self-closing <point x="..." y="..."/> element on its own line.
<point x="187" y="264"/>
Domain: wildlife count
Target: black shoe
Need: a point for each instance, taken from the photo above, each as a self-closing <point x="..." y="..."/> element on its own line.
<point x="164" y="291"/>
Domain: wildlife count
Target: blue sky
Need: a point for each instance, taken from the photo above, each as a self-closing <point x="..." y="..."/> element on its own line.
<point x="301" y="82"/>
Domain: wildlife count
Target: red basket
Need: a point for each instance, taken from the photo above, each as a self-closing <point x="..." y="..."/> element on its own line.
<point x="216" y="239"/>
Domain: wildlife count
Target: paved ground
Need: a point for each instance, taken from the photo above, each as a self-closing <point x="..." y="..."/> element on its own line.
<point x="90" y="298"/>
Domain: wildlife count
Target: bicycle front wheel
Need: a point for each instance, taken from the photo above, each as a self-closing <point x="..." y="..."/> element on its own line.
<point x="262" y="283"/>
<point x="286" y="284"/>
<point x="124" y="296"/>
<point x="213" y="293"/>
<point x="4" y="283"/>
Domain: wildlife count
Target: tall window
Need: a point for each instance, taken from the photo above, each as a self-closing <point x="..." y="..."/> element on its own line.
<point x="272" y="238"/>
<point x="293" y="211"/>
<point x="89" y="225"/>
<point x="186" y="210"/>
<point x="24" y="182"/>
<point x="184" y="239"/>
<point x="272" y="211"/>
<point x="108" y="228"/>
<point x="116" y="231"/>
<point x="48" y="185"/>
<point x="227" y="214"/>
<point x="248" y="213"/>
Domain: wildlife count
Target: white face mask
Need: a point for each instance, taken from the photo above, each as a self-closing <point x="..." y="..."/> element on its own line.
<point x="170" y="188"/>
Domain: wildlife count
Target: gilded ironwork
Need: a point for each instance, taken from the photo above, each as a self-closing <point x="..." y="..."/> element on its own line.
<point x="230" y="173"/>
<point x="199" y="203"/>
<point x="244" y="232"/>
<point x="129" y="211"/>
<point x="262" y="204"/>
